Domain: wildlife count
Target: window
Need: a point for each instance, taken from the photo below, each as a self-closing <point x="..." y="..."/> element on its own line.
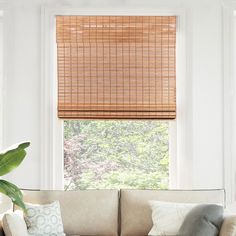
<point x="117" y="73"/>
<point x="116" y="154"/>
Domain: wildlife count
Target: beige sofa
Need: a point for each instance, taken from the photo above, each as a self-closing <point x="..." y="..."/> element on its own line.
<point x="113" y="212"/>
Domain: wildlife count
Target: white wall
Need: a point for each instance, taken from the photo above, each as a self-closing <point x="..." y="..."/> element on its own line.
<point x="207" y="88"/>
<point x="204" y="114"/>
<point x="1" y="76"/>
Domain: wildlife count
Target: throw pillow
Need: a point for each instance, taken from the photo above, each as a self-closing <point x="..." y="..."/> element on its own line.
<point x="44" y="220"/>
<point x="203" y="220"/>
<point x="168" y="217"/>
<point x="14" y="225"/>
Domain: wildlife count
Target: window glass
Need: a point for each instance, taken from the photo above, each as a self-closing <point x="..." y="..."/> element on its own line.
<point x="100" y="154"/>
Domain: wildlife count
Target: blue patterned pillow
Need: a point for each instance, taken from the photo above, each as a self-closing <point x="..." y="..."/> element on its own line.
<point x="44" y="220"/>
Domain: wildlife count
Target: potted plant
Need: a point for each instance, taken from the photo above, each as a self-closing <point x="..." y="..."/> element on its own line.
<point x="9" y="160"/>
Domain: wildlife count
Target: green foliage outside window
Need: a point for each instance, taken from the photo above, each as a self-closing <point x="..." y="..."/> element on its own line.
<point x="116" y="154"/>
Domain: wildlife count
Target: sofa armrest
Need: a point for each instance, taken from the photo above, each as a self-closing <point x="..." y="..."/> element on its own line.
<point x="228" y="227"/>
<point x="1" y="229"/>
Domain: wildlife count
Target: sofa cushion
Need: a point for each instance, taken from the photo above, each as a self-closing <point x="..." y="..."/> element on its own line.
<point x="136" y="213"/>
<point x="85" y="212"/>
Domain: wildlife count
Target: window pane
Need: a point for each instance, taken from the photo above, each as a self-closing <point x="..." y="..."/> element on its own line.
<point x="116" y="154"/>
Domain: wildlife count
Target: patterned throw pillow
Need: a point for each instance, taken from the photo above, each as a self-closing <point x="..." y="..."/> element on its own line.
<point x="44" y="220"/>
<point x="168" y="217"/>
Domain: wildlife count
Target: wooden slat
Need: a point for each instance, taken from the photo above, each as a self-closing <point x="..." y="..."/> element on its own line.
<point x="116" y="67"/>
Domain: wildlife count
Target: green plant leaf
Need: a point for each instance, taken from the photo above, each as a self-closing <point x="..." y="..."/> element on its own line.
<point x="23" y="145"/>
<point x="13" y="192"/>
<point x="12" y="157"/>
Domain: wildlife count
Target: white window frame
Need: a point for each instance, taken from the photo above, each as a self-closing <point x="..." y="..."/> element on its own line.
<point x="52" y="156"/>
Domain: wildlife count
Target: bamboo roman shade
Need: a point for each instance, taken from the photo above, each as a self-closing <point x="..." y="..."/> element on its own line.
<point x="116" y="67"/>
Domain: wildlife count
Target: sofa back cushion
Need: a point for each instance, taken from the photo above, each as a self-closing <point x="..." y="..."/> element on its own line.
<point x="136" y="213"/>
<point x="85" y="212"/>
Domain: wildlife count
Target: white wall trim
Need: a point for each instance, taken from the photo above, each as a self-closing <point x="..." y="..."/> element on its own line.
<point x="229" y="85"/>
<point x="51" y="127"/>
<point x="52" y="172"/>
<point x="184" y="103"/>
<point x="181" y="155"/>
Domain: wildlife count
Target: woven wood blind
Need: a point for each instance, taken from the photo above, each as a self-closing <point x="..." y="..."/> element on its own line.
<point x="116" y="67"/>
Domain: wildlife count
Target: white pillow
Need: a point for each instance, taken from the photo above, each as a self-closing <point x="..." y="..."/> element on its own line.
<point x="168" y="217"/>
<point x="14" y="225"/>
<point x="44" y="220"/>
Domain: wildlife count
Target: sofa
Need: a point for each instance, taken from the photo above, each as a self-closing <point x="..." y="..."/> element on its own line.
<point x="115" y="212"/>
